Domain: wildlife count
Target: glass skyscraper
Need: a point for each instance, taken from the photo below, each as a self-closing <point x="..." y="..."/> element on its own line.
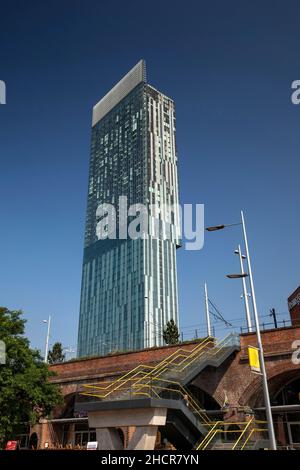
<point x="129" y="286"/>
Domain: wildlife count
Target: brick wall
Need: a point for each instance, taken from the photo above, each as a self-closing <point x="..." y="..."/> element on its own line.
<point x="274" y="340"/>
<point x="107" y="366"/>
<point x="233" y="377"/>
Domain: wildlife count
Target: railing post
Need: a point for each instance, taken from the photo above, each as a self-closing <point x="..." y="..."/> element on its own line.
<point x="242" y="433"/>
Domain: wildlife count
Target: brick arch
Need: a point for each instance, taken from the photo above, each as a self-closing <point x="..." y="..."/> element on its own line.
<point x="251" y="390"/>
<point x="277" y="377"/>
<point x="68" y="403"/>
<point x="219" y="397"/>
<point x="68" y="389"/>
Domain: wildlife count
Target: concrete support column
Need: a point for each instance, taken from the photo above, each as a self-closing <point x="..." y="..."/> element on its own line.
<point x="143" y="438"/>
<point x="108" y="439"/>
<point x="144" y="420"/>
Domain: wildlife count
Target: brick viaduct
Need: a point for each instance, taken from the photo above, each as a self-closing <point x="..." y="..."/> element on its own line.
<point x="232" y="379"/>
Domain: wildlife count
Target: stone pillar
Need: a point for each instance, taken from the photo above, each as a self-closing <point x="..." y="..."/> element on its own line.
<point x="143" y="438"/>
<point x="144" y="420"/>
<point x="108" y="439"/>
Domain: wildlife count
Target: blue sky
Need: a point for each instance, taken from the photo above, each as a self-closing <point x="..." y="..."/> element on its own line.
<point x="228" y="66"/>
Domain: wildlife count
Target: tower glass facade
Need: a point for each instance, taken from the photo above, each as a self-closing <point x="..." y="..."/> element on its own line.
<point x="129" y="286"/>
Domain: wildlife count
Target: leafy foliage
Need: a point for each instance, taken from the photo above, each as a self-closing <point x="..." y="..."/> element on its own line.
<point x="56" y="354"/>
<point x="171" y="333"/>
<point x="25" y="391"/>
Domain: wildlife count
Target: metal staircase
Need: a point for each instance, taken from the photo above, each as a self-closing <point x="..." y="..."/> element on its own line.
<point x="249" y="435"/>
<point x="166" y="382"/>
<point x="181" y="366"/>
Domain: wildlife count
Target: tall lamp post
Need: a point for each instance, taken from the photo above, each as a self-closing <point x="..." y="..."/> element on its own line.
<point x="47" y="338"/>
<point x="258" y="334"/>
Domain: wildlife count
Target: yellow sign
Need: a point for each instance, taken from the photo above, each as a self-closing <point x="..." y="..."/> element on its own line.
<point x="253" y="354"/>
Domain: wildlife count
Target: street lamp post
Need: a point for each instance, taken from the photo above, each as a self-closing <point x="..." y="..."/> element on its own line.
<point x="47" y="338"/>
<point x="245" y="293"/>
<point x="258" y="334"/>
<point x="259" y="344"/>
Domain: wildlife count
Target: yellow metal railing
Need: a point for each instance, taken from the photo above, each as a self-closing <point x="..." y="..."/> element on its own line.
<point x="179" y="390"/>
<point x="245" y="434"/>
<point x="242" y="434"/>
<point x="204" y="442"/>
<point x="149" y="381"/>
<point x="196" y="353"/>
<point x="254" y="430"/>
<point x="109" y="387"/>
<point x="152" y="388"/>
<point x="185" y="358"/>
<point x="146" y="377"/>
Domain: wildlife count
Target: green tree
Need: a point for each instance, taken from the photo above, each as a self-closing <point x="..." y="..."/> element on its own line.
<point x="56" y="354"/>
<point x="171" y="333"/>
<point x="26" y="394"/>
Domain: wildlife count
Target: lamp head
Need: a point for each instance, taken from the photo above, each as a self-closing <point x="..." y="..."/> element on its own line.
<point x="215" y="227"/>
<point x="237" y="276"/>
<point x="237" y="253"/>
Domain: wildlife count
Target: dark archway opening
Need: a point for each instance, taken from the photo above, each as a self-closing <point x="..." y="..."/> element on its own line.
<point x="289" y="394"/>
<point x="33" y="441"/>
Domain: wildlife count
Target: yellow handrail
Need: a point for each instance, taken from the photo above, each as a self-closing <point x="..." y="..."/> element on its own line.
<point x="138" y="387"/>
<point x="143" y="378"/>
<point x="181" y="391"/>
<point x="137" y="370"/>
<point x="168" y="362"/>
<point x="193" y="354"/>
<point x="250" y="434"/>
<point x="140" y="368"/>
<point x="212" y="435"/>
<point x="207" y="437"/>
<point x="217" y="429"/>
<point x="242" y="434"/>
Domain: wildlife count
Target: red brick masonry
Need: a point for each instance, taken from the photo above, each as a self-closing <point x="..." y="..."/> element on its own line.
<point x="234" y="376"/>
